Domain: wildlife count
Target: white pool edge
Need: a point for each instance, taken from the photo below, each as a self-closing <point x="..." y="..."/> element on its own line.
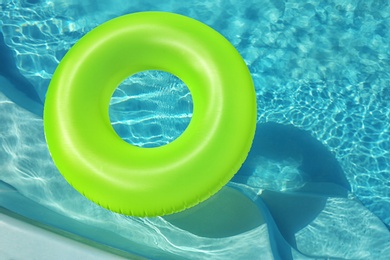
<point x="22" y="240"/>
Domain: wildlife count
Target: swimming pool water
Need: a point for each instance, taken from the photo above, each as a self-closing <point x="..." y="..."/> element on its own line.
<point x="151" y="108"/>
<point x="321" y="68"/>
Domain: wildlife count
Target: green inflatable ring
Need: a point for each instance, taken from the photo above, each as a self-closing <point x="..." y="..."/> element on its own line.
<point x="150" y="181"/>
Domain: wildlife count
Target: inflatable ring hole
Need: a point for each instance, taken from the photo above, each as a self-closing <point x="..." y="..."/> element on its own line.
<point x="151" y="108"/>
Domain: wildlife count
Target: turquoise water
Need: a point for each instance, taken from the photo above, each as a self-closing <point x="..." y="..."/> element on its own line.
<point x="321" y="157"/>
<point x="151" y="108"/>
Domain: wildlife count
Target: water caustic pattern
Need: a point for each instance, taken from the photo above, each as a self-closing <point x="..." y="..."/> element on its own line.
<point x="151" y="108"/>
<point x="319" y="169"/>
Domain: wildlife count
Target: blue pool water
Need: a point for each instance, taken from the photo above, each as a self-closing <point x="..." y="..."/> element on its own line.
<point x="319" y="168"/>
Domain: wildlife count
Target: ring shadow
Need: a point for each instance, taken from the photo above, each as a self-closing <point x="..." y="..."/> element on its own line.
<point x="230" y="212"/>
